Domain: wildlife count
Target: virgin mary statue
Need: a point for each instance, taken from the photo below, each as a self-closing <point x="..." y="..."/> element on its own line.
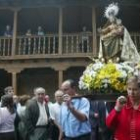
<point x="115" y="40"/>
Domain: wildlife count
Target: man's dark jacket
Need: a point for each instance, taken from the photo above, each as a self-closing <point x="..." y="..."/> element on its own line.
<point x="32" y="115"/>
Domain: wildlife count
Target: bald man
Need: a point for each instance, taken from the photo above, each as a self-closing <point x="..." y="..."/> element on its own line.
<point x="55" y="114"/>
<point x="74" y="114"/>
<point x="37" y="116"/>
<point x="57" y="105"/>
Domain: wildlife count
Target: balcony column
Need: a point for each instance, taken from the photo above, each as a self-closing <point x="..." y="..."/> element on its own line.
<point x="60" y="68"/>
<point x="14" y="73"/>
<point x="14" y="31"/>
<point x="14" y="82"/>
<point x="60" y="30"/>
<point x="60" y="77"/>
<point x="94" y="31"/>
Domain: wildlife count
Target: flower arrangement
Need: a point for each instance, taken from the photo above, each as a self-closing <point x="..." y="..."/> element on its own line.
<point x="102" y="76"/>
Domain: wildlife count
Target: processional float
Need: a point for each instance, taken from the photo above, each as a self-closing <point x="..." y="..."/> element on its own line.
<point x="118" y="59"/>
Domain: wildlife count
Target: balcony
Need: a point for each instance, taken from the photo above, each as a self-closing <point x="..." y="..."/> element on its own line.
<point x="51" y="46"/>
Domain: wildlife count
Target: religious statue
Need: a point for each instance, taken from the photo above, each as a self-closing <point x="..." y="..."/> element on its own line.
<point x="115" y="40"/>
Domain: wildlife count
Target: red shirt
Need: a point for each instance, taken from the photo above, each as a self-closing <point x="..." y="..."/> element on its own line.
<point x="126" y="123"/>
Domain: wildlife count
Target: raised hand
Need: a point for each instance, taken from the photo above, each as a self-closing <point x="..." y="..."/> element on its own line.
<point x="120" y="103"/>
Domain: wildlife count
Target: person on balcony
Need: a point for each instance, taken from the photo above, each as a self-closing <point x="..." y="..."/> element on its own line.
<point x="40" y="40"/>
<point x="8" y="32"/>
<point x="29" y="42"/>
<point x="40" y="31"/>
<point x="84" y="43"/>
<point x="115" y="40"/>
<point x="28" y="33"/>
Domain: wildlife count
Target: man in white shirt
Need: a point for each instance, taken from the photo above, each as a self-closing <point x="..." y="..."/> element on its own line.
<point x="55" y="114"/>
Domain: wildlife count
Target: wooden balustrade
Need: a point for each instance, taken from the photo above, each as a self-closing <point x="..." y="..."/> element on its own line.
<point x="72" y="43"/>
<point x="35" y="45"/>
<point x="77" y="43"/>
<point x="5" y="46"/>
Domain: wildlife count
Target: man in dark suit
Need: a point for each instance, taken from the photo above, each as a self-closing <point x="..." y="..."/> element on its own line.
<point x="97" y="116"/>
<point x="37" y="116"/>
<point x="94" y="119"/>
<point x="104" y="110"/>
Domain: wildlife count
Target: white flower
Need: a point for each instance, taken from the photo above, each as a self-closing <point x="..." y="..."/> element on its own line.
<point x="105" y="85"/>
<point x="124" y="74"/>
<point x="106" y="81"/>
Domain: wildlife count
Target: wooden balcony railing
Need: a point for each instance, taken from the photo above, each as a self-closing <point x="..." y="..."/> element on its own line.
<point x="37" y="45"/>
<point x="48" y="46"/>
<point x="76" y="43"/>
<point x="5" y="46"/>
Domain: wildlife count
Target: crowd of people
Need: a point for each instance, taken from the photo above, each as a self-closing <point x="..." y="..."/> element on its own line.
<point x="69" y="118"/>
